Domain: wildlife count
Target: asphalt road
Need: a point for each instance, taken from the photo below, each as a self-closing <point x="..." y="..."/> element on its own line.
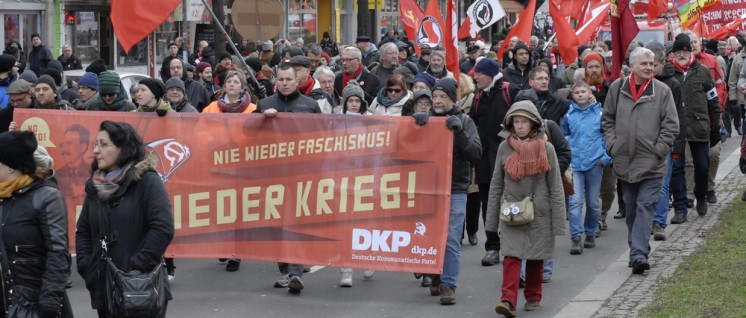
<point x="204" y="289"/>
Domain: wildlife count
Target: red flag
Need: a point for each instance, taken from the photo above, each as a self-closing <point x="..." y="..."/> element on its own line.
<point x="728" y="29"/>
<point x="656" y="8"/>
<point x="571" y="8"/>
<point x="411" y="15"/>
<point x="430" y="32"/>
<point x="465" y="30"/>
<point x="522" y="29"/>
<point x="451" y="37"/>
<point x="623" y="31"/>
<point x="566" y="38"/>
<point x="133" y="20"/>
<point x="598" y="15"/>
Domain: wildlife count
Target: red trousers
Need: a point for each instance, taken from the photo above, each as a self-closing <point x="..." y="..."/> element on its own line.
<point x="512" y="277"/>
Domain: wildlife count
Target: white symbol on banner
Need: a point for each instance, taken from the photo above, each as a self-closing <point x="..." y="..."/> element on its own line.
<point x="420" y="228"/>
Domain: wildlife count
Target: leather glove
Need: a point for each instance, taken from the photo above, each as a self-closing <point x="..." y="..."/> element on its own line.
<point x="714" y="138"/>
<point x="421" y="118"/>
<point x="742" y="164"/>
<point x="259" y="90"/>
<point x="48" y="312"/>
<point x="454" y="123"/>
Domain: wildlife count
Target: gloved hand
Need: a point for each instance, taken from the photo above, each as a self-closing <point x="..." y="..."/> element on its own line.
<point x="454" y="123"/>
<point x="714" y="137"/>
<point x="742" y="164"/>
<point x="259" y="90"/>
<point x="161" y="112"/>
<point x="48" y="312"/>
<point x="421" y="118"/>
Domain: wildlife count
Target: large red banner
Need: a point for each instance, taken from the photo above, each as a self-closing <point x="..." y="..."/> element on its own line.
<point x="348" y="191"/>
<point x="729" y="11"/>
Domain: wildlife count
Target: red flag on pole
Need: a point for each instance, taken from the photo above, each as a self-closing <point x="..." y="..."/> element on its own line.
<point x="522" y="29"/>
<point x="411" y="15"/>
<point x="656" y="8"/>
<point x="431" y="30"/>
<point x="623" y="31"/>
<point x="133" y="20"/>
<point x="597" y="16"/>
<point x="566" y="38"/>
<point x="451" y="36"/>
<point x="465" y="30"/>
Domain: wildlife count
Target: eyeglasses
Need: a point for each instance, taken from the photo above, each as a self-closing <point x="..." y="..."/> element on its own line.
<point x="394" y="90"/>
<point x="348" y="60"/>
<point x="17" y="100"/>
<point x="109" y="94"/>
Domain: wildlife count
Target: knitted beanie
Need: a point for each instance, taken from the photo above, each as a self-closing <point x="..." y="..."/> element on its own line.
<point x="682" y="43"/>
<point x="254" y="63"/>
<point x="17" y="150"/>
<point x="7" y="62"/>
<point x="174" y="82"/>
<point x="109" y="83"/>
<point x="448" y="86"/>
<point x="155" y="86"/>
<point x="428" y="79"/>
<point x="97" y="67"/>
<point x="202" y="66"/>
<point x="354" y="89"/>
<point x="487" y="67"/>
<point x="46" y="79"/>
<point x="55" y="65"/>
<point x="89" y="80"/>
<point x="29" y="76"/>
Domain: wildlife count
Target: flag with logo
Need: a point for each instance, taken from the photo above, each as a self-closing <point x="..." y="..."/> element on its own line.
<point x="411" y="15"/>
<point x="132" y="22"/>
<point x="481" y="14"/>
<point x="452" y="62"/>
<point x="430" y="30"/>
<point x="690" y="11"/>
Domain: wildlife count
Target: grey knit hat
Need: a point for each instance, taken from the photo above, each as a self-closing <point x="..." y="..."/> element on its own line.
<point x="354" y="89"/>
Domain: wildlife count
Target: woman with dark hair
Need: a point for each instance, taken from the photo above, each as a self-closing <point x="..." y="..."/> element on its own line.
<point x="392" y="97"/>
<point x="34" y="229"/>
<point x="125" y="187"/>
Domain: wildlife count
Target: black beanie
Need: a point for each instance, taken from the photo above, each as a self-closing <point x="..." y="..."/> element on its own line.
<point x="97" y="67"/>
<point x="7" y="62"/>
<point x="155" y="86"/>
<point x="682" y="43"/>
<point x="46" y="79"/>
<point x="224" y="55"/>
<point x="17" y="150"/>
<point x="448" y="86"/>
<point x="254" y="63"/>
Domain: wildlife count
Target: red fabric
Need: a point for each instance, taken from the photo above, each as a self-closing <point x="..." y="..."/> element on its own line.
<point x="656" y="8"/>
<point x="571" y="8"/>
<point x="433" y="11"/>
<point x="465" y="30"/>
<point x="594" y="18"/>
<point x="307" y="87"/>
<point x="729" y="29"/>
<point x="566" y="38"/>
<point x="411" y="15"/>
<point x="623" y="31"/>
<point x="132" y="22"/>
<point x="711" y="62"/>
<point x="346" y="78"/>
<point x="450" y="38"/>
<point x="512" y="277"/>
<point x="633" y="88"/>
<point x="522" y="29"/>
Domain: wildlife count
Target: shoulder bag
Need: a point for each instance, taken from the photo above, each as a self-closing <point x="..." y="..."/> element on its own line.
<point x="514" y="213"/>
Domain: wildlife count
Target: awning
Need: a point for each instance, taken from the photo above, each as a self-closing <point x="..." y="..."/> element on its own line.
<point x="23" y="5"/>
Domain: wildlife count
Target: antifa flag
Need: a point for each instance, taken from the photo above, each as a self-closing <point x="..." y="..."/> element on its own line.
<point x="481" y="15"/>
<point x="623" y="31"/>
<point x="133" y="20"/>
<point x="430" y="32"/>
<point x="411" y="15"/>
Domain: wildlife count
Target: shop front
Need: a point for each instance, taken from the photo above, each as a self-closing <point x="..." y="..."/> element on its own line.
<point x="20" y="20"/>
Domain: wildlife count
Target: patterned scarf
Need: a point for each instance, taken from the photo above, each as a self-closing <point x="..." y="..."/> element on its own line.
<point x="236" y="107"/>
<point x="8" y="187"/>
<point x="106" y="184"/>
<point x="529" y="157"/>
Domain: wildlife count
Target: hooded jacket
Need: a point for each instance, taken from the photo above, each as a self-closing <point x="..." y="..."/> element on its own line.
<point x="535" y="240"/>
<point x="701" y="103"/>
<point x="582" y="127"/>
<point x="640" y="134"/>
<point x="141" y="227"/>
<point x="35" y="237"/>
<point x="513" y="74"/>
<point x="667" y="77"/>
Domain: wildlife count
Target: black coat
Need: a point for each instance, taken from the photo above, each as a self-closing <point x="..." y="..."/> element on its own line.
<point x="38" y="58"/>
<point x="368" y="82"/>
<point x="553" y="107"/>
<point x="140" y="222"/>
<point x="467" y="151"/>
<point x="488" y="113"/>
<point x="514" y="76"/>
<point x="667" y="77"/>
<point x="293" y="103"/>
<point x="71" y="63"/>
<point x="35" y="238"/>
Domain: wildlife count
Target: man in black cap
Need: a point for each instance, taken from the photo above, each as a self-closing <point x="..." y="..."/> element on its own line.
<point x="368" y="50"/>
<point x="39" y="56"/>
<point x="473" y="54"/>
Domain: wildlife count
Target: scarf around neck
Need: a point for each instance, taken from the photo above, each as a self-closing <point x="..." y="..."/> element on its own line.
<point x="384" y="100"/>
<point x="307" y="87"/>
<point x="236" y="107"/>
<point x="529" y="157"/>
<point x="347" y="78"/>
<point x="106" y="184"/>
<point x="8" y="187"/>
<point x="683" y="68"/>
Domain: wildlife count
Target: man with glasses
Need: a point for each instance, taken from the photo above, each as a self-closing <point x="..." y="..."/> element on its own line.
<point x="389" y="61"/>
<point x="68" y="60"/>
<point x="196" y="92"/>
<point x="353" y="70"/>
<point x="702" y="127"/>
<point x="111" y="97"/>
<point x="20" y="96"/>
<point x="551" y="106"/>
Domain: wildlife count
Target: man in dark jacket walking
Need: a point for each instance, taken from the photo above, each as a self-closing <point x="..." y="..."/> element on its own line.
<point x="517" y="73"/>
<point x="488" y="112"/>
<point x="39" y="56"/>
<point x="550" y="106"/>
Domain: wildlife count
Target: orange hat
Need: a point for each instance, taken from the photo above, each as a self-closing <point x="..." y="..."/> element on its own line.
<point x="593" y="56"/>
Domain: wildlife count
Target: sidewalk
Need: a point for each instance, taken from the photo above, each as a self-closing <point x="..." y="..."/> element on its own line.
<point x="617" y="293"/>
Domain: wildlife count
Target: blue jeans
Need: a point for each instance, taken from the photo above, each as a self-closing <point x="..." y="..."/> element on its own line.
<point x="452" y="259"/>
<point x="661" y="210"/>
<point x="640" y="198"/>
<point x="701" y="159"/>
<point x="587" y="187"/>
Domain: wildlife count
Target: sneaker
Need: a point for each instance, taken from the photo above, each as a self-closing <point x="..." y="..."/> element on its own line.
<point x="678" y="218"/>
<point x="233" y="265"/>
<point x="701" y="207"/>
<point x="590" y="241"/>
<point x="711" y="197"/>
<point x="546" y="279"/>
<point x="639" y="267"/>
<point x="602" y="225"/>
<point x="346" y="279"/>
<point x="427" y="281"/>
<point x="473" y="239"/>
<point x="69" y="283"/>
<point x="295" y="285"/>
<point x="506" y="309"/>
<point x="531" y="306"/>
<point x="368" y="274"/>
<point x="171" y="271"/>
<point x="447" y="295"/>
<point x="491" y="258"/>
<point x="621" y="214"/>
<point x="435" y="285"/>
<point x="283" y="281"/>
<point x="576" y="248"/>
<point x="659" y="233"/>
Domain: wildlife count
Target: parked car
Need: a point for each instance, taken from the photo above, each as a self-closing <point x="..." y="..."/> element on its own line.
<point x="128" y="79"/>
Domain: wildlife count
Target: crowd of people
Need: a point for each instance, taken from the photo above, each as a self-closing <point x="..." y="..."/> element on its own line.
<point x="525" y="126"/>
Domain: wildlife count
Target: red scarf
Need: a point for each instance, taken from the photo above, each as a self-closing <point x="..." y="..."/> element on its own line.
<point x="633" y="88"/>
<point x="307" y="87"/>
<point x="683" y="68"/>
<point x="346" y="78"/>
<point x="529" y="157"/>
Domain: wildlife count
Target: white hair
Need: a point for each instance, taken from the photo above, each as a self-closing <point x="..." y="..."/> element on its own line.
<point x="579" y="75"/>
<point x="388" y="47"/>
<point x="43" y="162"/>
<point x="635" y="55"/>
<point x="355" y="51"/>
<point x="322" y="71"/>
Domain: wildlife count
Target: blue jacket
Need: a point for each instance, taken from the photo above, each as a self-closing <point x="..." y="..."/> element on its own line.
<point x="582" y="128"/>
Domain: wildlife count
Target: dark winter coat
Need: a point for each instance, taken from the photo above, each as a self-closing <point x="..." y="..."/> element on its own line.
<point x="467" y="151"/>
<point x="701" y="103"/>
<point x="35" y="237"/>
<point x="552" y="107"/>
<point x="515" y="76"/>
<point x="368" y="82"/>
<point x="667" y="77"/>
<point x="71" y="63"/>
<point x="21" y="55"/>
<point x="38" y="58"/>
<point x="293" y="103"/>
<point x="141" y="226"/>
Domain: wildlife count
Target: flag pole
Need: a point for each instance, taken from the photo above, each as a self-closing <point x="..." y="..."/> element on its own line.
<point x="549" y="41"/>
<point x="233" y="46"/>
